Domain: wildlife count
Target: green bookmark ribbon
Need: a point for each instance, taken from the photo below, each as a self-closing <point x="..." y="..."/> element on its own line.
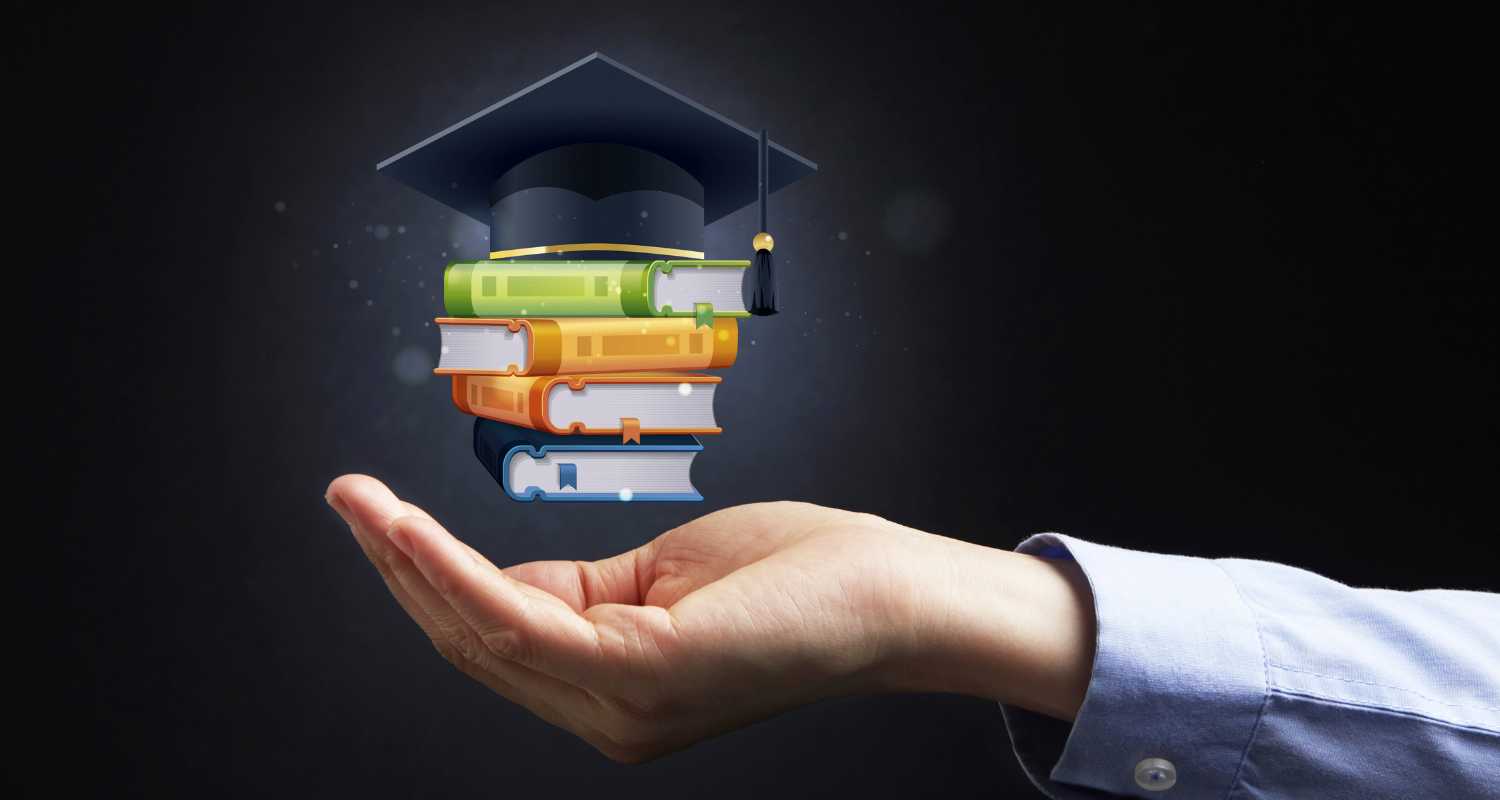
<point x="703" y="315"/>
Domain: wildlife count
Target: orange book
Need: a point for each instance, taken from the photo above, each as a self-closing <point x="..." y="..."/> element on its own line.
<point x="567" y="345"/>
<point x="631" y="404"/>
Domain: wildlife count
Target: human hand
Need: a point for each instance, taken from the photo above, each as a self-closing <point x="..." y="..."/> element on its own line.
<point x="733" y="617"/>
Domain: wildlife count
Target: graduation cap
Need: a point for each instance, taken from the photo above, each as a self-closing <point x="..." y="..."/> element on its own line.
<point x="599" y="161"/>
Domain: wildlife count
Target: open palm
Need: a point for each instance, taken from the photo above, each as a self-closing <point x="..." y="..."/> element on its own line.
<point x="726" y="619"/>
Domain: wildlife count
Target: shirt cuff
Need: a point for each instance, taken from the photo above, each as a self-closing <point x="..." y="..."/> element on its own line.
<point x="1179" y="674"/>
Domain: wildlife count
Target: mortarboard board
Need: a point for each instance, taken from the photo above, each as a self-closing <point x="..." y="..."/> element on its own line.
<point x="598" y="161"/>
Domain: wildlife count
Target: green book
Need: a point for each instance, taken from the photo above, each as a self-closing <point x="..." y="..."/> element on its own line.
<point x="702" y="289"/>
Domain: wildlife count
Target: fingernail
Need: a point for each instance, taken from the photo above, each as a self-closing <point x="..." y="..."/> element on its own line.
<point x="338" y="505"/>
<point x="399" y="537"/>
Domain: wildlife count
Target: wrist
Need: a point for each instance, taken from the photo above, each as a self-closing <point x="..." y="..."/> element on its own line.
<point x="991" y="623"/>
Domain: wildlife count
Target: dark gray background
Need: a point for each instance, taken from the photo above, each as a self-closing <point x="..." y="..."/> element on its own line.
<point x="1205" y="282"/>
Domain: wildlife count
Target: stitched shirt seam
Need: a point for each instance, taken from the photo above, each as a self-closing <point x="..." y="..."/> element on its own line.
<point x="1376" y="708"/>
<point x="1286" y="668"/>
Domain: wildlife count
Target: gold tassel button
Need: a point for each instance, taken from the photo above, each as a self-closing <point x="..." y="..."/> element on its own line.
<point x="763" y="241"/>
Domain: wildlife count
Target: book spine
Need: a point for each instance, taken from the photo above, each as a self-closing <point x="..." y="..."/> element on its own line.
<point x="551" y="289"/>
<point x="517" y="401"/>
<point x="612" y="345"/>
<point x="592" y="345"/>
<point x="485" y="450"/>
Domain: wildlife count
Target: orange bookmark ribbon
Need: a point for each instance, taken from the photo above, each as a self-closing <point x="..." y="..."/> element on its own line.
<point x="630" y="430"/>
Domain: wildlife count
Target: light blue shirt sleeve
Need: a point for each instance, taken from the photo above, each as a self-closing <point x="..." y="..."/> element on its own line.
<point x="1247" y="679"/>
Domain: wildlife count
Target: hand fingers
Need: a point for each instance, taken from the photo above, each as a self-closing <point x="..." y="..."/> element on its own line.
<point x="557" y="702"/>
<point x="370" y="508"/>
<point x="582" y="584"/>
<point x="366" y="504"/>
<point x="360" y="498"/>
<point x="662" y="571"/>
<point x="705" y="549"/>
<point x="414" y="511"/>
<point x="463" y="647"/>
<point x="373" y="503"/>
<point x="516" y="622"/>
<point x="623" y="630"/>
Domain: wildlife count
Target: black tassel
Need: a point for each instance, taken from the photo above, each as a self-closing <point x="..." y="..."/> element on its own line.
<point x="763" y="276"/>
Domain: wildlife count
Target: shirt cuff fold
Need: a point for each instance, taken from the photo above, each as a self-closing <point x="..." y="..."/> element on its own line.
<point x="1179" y="674"/>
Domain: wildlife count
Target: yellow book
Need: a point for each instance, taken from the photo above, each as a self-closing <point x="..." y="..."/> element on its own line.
<point x="566" y="345"/>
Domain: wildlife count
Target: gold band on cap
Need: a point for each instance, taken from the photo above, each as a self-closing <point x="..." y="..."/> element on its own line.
<point x="573" y="248"/>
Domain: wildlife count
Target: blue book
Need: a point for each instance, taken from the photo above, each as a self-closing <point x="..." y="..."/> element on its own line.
<point x="529" y="464"/>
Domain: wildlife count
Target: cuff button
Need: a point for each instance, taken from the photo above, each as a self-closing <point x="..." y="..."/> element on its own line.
<point x="1155" y="774"/>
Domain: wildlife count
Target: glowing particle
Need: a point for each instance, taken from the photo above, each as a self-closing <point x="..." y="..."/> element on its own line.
<point x="412" y="365"/>
<point x="684" y="389"/>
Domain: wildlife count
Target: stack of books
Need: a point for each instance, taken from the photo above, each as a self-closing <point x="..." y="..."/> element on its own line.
<point x="582" y="374"/>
